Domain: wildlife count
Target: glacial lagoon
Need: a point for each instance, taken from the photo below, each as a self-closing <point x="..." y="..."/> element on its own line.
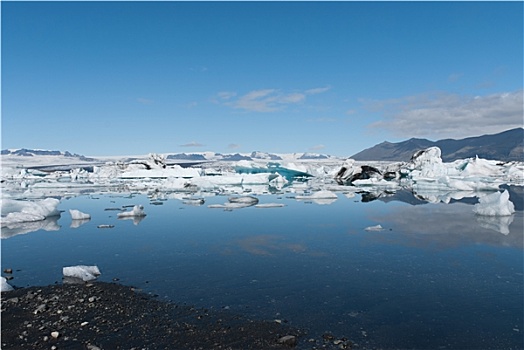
<point x="436" y="276"/>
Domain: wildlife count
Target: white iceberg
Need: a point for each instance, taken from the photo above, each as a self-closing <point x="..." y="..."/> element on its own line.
<point x="83" y="272"/>
<point x="495" y="204"/>
<point x="4" y="286"/>
<point x="324" y="194"/>
<point x="78" y="215"/>
<point x="236" y="203"/>
<point x="270" y="205"/>
<point x="137" y="211"/>
<point x="374" y="228"/>
<point x="16" y="211"/>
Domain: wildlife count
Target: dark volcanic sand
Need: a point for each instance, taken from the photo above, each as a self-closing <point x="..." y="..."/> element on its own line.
<point x="111" y="316"/>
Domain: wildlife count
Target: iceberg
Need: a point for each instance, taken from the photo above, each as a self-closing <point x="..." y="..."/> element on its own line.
<point x="78" y="215"/>
<point x="4" y="286"/>
<point x="374" y="228"/>
<point x="137" y="211"/>
<point x="236" y="203"/>
<point x="494" y="204"/>
<point x="82" y="272"/>
<point x="270" y="205"/>
<point x="17" y="211"/>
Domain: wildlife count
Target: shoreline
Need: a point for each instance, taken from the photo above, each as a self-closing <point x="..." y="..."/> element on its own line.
<point x="102" y="315"/>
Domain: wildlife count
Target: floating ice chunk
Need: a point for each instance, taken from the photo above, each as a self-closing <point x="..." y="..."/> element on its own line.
<point x="374" y="228"/>
<point x="138" y="210"/>
<point x="270" y="205"/>
<point x="194" y="201"/>
<point x="244" y="199"/>
<point x="4" y="286"/>
<point x="83" y="272"/>
<point x="78" y="215"/>
<point x="236" y="203"/>
<point x="495" y="204"/>
<point x="16" y="211"/>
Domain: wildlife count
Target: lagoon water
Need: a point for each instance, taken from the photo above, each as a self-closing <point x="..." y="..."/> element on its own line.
<point x="435" y="277"/>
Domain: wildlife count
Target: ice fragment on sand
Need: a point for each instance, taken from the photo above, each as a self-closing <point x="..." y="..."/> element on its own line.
<point x="495" y="204"/>
<point x="85" y="273"/>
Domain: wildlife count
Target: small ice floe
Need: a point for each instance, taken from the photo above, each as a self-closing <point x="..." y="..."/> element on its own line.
<point x="106" y="226"/>
<point x="495" y="204"/>
<point x="236" y="203"/>
<point x="270" y="205"/>
<point x="244" y="200"/>
<point x="374" y="228"/>
<point x="78" y="215"/>
<point x="4" y="286"/>
<point x="194" y="201"/>
<point x="81" y="272"/>
<point x="137" y="211"/>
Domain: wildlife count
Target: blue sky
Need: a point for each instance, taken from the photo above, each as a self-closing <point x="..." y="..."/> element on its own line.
<point x="124" y="78"/>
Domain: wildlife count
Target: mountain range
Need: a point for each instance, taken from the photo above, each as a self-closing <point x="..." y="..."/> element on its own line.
<point x="505" y="146"/>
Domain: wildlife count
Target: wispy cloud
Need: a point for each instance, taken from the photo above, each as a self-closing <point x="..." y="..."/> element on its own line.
<point x="192" y="144"/>
<point x="226" y="95"/>
<point x="266" y="100"/>
<point x="317" y="90"/>
<point x="453" y="77"/>
<point x="317" y="147"/>
<point x="233" y="146"/>
<point x="144" y="101"/>
<point x="323" y="120"/>
<point x="444" y="115"/>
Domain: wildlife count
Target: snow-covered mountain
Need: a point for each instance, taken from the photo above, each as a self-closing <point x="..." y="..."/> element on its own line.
<point x="24" y="152"/>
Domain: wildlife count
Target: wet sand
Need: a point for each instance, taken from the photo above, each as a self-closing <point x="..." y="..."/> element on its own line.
<point x="112" y="316"/>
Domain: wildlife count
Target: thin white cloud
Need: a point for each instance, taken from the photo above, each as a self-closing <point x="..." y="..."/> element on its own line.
<point x="323" y="120"/>
<point x="454" y="77"/>
<point x="144" y="101"/>
<point x="266" y="100"/>
<point x="226" y="95"/>
<point x="317" y="147"/>
<point x="317" y="90"/>
<point x="446" y="115"/>
<point x="233" y="146"/>
<point x="192" y="144"/>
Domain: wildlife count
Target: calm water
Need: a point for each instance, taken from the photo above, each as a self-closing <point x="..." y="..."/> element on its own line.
<point x="437" y="276"/>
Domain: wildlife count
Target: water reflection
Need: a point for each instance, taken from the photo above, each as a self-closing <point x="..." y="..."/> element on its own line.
<point x="450" y="225"/>
<point x="76" y="223"/>
<point x="13" y="229"/>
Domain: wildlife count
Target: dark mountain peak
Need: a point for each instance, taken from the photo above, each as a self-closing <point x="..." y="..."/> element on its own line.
<point x="505" y="146"/>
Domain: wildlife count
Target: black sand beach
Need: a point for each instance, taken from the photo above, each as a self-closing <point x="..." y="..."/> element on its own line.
<point x="112" y="316"/>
